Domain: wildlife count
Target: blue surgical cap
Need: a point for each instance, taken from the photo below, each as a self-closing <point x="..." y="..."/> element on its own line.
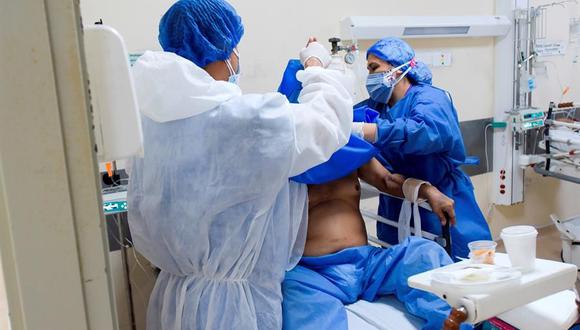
<point x="202" y="31"/>
<point x="397" y="52"/>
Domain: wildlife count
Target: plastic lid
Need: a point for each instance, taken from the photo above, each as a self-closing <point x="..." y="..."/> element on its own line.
<point x="479" y="245"/>
<point x="519" y="231"/>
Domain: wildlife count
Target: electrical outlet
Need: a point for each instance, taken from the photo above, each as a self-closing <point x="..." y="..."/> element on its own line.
<point x="441" y="58"/>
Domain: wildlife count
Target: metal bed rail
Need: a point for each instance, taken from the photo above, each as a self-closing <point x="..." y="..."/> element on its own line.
<point x="369" y="191"/>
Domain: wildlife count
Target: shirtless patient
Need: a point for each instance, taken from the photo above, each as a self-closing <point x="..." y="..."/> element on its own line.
<point x="339" y="267"/>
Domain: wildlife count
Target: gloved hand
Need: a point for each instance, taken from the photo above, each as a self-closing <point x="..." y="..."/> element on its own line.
<point x="315" y="50"/>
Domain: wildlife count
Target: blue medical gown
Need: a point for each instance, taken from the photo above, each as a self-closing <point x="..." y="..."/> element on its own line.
<point x="344" y="161"/>
<point x="316" y="290"/>
<point x="420" y="138"/>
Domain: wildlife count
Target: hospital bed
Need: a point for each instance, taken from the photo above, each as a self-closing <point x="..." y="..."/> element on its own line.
<point x="561" y="143"/>
<point x="369" y="191"/>
<point x="557" y="310"/>
<point x="562" y="161"/>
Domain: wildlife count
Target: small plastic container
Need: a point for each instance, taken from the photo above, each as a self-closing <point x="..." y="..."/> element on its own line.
<point x="482" y="252"/>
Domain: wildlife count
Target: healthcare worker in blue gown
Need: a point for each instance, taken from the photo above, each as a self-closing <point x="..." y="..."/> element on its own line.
<point x="210" y="203"/>
<point x="318" y="288"/>
<point x="417" y="132"/>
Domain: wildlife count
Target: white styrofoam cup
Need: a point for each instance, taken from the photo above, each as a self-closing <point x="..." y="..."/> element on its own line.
<point x="520" y="244"/>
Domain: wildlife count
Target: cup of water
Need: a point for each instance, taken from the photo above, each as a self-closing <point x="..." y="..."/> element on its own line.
<point x="520" y="244"/>
<point x="482" y="252"/>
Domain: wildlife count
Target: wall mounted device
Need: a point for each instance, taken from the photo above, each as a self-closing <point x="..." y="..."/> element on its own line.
<point x="117" y="123"/>
<point x="377" y="27"/>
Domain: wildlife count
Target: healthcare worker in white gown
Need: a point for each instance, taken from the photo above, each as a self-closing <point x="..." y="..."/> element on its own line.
<point x="210" y="203"/>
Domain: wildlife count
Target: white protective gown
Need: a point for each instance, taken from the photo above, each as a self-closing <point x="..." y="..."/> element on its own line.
<point x="210" y="203"/>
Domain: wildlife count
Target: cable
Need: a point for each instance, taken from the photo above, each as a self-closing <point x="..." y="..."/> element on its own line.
<point x="486" y="153"/>
<point x="137" y="260"/>
<point x="547" y="134"/>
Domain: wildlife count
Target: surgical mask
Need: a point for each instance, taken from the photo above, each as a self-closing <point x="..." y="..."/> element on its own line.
<point x="234" y="75"/>
<point x="381" y="85"/>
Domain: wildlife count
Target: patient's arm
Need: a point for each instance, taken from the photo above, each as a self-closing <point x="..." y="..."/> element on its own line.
<point x="375" y="174"/>
<point x="370" y="132"/>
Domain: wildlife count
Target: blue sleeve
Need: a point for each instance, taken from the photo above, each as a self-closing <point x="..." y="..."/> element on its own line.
<point x="344" y="161"/>
<point x="290" y="86"/>
<point x="426" y="130"/>
<point x="364" y="114"/>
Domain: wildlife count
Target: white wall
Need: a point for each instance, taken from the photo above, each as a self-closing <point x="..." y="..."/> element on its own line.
<point x="276" y="30"/>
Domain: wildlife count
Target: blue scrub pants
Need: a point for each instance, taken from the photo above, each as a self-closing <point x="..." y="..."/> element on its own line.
<point x="316" y="290"/>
